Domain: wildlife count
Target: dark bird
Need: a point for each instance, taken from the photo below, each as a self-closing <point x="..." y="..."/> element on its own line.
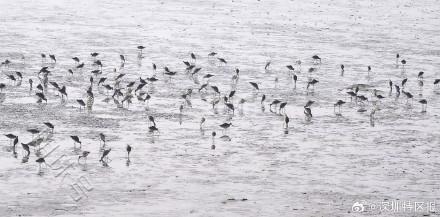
<point x="2" y="86"/>
<point x="316" y="58"/>
<point x="76" y="140"/>
<point x="222" y="60"/>
<point x="309" y="103"/>
<point x="212" y="54"/>
<point x="105" y="154"/>
<point x="76" y="59"/>
<point x="275" y="102"/>
<point x="267" y="65"/>
<point x="339" y="103"/>
<point x="50" y="125"/>
<point x="255" y="85"/>
<point x="404" y="82"/>
<point x="308" y="113"/>
<point x="26" y="148"/>
<point x="420" y="75"/>
<point x="290" y="67"/>
<point x="286" y="121"/>
<point x="436" y="81"/>
<point x="225" y="126"/>
<point x="94" y="54"/>
<point x="263" y="98"/>
<point x="52" y="57"/>
<point x="101" y="80"/>
<point x="80" y="66"/>
<point x="128" y="151"/>
<point x="84" y="155"/>
<point x="122" y="58"/>
<point x="424" y="103"/>
<point x="41" y="97"/>
<point x="81" y="103"/>
<point x="215" y="88"/>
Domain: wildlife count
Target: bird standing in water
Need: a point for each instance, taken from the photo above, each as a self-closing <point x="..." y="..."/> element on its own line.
<point x="128" y="148"/>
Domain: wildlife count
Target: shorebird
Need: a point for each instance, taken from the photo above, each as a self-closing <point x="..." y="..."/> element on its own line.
<point x="424" y="103"/>
<point x="266" y="67"/>
<point x="2" y="86"/>
<point x="436" y="82"/>
<point x="286" y="122"/>
<point x="213" y="134"/>
<point x="255" y="85"/>
<point x="225" y="126"/>
<point x="81" y="103"/>
<point x="128" y="148"/>
<point x="282" y="107"/>
<point x="50" y="126"/>
<point x="40" y="161"/>
<point x="33" y="132"/>
<point x="52" y="57"/>
<point x="76" y="140"/>
<point x="222" y="60"/>
<point x="408" y="96"/>
<point x="104" y="158"/>
<point x="339" y="103"/>
<point x="202" y="122"/>
<point x="316" y="59"/>
<point x="84" y="156"/>
<point x="140" y="48"/>
<point x="275" y="103"/>
<point x="308" y="113"/>
<point x="397" y="60"/>
<point x="312" y="83"/>
<point x="101" y="140"/>
<point x="10" y="136"/>
<point x="41" y="97"/>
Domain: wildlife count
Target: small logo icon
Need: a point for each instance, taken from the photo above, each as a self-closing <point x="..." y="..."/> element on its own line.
<point x="358" y="207"/>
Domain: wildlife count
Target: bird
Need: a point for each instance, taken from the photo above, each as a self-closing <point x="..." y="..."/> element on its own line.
<point x="316" y="58"/>
<point x="437" y="82"/>
<point x="41" y="97"/>
<point x="84" y="155"/>
<point x="308" y="113"/>
<point x="263" y="98"/>
<point x="309" y="103"/>
<point x="76" y="59"/>
<point x="404" y="82"/>
<point x="222" y="60"/>
<point x="76" y="140"/>
<point x="50" y="125"/>
<point x="105" y="155"/>
<point x="2" y="86"/>
<point x="286" y="121"/>
<point x="40" y="161"/>
<point x="202" y="121"/>
<point x="225" y="126"/>
<point x="81" y="103"/>
<point x="339" y="103"/>
<point x="26" y="148"/>
<point x="213" y="134"/>
<point x="255" y="85"/>
<point x="267" y="65"/>
<point x="102" y="139"/>
<point x="128" y="148"/>
<point x="52" y="57"/>
<point x="33" y="131"/>
<point x="424" y="103"/>
<point x="290" y="67"/>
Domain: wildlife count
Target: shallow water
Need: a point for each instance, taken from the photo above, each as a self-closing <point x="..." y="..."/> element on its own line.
<point x="317" y="169"/>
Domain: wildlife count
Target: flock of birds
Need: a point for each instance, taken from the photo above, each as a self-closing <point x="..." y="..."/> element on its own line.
<point x="123" y="95"/>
